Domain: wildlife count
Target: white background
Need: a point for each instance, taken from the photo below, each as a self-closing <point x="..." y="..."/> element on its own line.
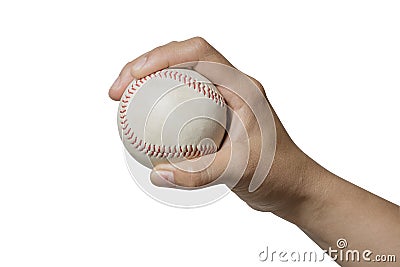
<point x="330" y="68"/>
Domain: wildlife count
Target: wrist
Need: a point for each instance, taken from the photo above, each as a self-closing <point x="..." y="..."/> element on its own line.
<point x="306" y="193"/>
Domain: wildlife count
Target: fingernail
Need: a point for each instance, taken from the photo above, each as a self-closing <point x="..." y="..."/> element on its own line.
<point x="162" y="178"/>
<point x="139" y="63"/>
<point x="116" y="83"/>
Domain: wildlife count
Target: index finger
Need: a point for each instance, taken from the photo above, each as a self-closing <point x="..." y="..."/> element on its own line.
<point x="191" y="50"/>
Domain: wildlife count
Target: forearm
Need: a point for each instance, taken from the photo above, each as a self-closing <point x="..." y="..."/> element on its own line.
<point x="332" y="208"/>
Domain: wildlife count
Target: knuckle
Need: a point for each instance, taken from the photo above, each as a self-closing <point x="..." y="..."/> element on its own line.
<point x="258" y="84"/>
<point x="126" y="67"/>
<point x="201" y="44"/>
<point x="199" y="39"/>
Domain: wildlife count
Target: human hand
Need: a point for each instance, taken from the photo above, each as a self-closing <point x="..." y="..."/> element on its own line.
<point x="278" y="188"/>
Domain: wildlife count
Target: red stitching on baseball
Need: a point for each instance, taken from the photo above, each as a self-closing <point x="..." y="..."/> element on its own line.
<point x="162" y="150"/>
<point x="135" y="140"/>
<point x="129" y="130"/>
<point x="130" y="137"/>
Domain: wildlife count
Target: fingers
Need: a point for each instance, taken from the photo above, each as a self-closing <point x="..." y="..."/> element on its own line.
<point x="194" y="49"/>
<point x="192" y="174"/>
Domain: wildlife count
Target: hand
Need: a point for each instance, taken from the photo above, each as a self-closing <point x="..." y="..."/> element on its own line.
<point x="281" y="186"/>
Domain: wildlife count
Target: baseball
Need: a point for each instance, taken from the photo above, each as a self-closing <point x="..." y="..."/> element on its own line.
<point x="171" y="115"/>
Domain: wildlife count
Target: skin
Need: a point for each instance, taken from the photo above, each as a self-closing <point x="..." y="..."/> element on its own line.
<point x="297" y="189"/>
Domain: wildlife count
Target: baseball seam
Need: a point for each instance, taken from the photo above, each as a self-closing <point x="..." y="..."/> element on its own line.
<point x="162" y="151"/>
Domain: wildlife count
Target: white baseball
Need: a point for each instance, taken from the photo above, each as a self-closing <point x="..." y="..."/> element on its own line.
<point x="171" y="115"/>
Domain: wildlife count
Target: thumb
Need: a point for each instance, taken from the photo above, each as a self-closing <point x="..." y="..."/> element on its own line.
<point x="191" y="174"/>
